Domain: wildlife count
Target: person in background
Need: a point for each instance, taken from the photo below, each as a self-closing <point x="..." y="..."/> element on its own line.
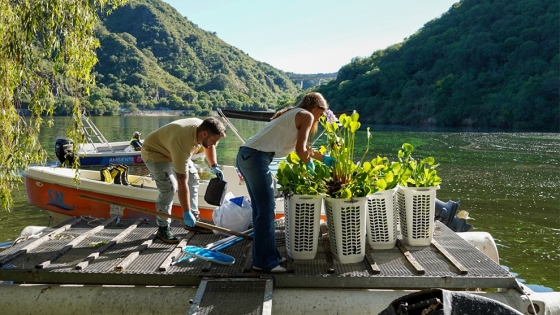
<point x="289" y="129"/>
<point x="135" y="141"/>
<point x="167" y="153"/>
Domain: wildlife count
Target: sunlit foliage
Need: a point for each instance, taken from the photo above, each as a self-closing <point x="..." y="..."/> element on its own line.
<point x="46" y="46"/>
<point x="482" y="64"/>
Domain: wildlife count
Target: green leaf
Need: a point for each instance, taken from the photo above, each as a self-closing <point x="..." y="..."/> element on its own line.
<point x="389" y="177"/>
<point x="355" y="125"/>
<point x="408" y="147"/>
<point x="346" y="194"/>
<point x="429" y="160"/>
<point x="378" y="168"/>
<point x="381" y="184"/>
<point x="293" y="158"/>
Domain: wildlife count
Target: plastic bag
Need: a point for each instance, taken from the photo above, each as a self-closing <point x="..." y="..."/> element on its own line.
<point x="232" y="216"/>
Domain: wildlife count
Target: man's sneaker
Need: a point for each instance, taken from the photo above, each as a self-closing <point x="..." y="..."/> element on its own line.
<point x="164" y="234"/>
<point x="199" y="229"/>
<point x="277" y="269"/>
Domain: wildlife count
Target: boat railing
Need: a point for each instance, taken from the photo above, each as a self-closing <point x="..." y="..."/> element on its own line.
<point x="225" y="114"/>
<point x="231" y="126"/>
<point x="91" y="131"/>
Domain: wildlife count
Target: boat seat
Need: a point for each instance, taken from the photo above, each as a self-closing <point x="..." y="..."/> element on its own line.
<point x="103" y="149"/>
<point x="106" y="148"/>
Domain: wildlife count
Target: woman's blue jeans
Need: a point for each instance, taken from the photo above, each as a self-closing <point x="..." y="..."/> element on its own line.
<point x="254" y="166"/>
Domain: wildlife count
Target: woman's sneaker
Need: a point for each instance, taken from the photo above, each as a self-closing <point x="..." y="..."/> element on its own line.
<point x="164" y="234"/>
<point x="277" y="269"/>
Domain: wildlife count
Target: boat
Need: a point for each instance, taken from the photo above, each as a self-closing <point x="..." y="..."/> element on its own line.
<point x="54" y="189"/>
<point x="97" y="151"/>
<point x="247" y="115"/>
<point x="227" y="114"/>
<point x="258" y="115"/>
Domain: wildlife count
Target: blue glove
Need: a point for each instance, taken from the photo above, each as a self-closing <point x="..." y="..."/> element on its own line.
<point x="328" y="161"/>
<point x="311" y="167"/>
<point x="218" y="172"/>
<point x="189" y="218"/>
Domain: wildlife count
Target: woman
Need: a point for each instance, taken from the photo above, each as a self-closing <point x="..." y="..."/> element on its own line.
<point x="288" y="129"/>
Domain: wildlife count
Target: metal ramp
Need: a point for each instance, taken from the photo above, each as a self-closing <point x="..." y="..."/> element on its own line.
<point x="91" y="131"/>
<point x="233" y="296"/>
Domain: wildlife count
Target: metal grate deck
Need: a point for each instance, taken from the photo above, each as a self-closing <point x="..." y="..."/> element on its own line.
<point x="81" y="251"/>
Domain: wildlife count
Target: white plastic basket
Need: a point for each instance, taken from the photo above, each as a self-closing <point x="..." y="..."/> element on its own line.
<point x="416" y="211"/>
<point x="301" y="216"/>
<point x="346" y="220"/>
<point x="382" y="220"/>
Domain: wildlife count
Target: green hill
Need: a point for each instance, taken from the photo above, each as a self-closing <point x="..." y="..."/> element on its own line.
<point x="482" y="64"/>
<point x="152" y="57"/>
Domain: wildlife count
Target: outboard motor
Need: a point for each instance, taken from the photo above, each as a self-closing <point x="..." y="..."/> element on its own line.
<point x="63" y="151"/>
<point x="446" y="213"/>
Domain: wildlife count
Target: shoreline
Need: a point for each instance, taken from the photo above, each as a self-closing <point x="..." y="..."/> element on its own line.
<point x="156" y="113"/>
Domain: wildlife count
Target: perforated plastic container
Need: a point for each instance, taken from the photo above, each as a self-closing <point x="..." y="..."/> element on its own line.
<point x="416" y="211"/>
<point x="302" y="214"/>
<point x="382" y="216"/>
<point x="346" y="220"/>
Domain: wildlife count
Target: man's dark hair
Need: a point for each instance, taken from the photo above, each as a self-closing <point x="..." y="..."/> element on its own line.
<point x="213" y="126"/>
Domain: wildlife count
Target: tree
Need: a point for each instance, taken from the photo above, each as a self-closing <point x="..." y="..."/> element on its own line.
<point x="32" y="31"/>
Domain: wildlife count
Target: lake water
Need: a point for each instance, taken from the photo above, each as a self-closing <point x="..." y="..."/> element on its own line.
<point x="508" y="182"/>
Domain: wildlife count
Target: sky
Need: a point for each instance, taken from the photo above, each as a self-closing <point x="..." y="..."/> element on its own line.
<point x="311" y="36"/>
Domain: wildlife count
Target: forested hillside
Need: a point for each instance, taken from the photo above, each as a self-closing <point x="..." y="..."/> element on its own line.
<point x="484" y="63"/>
<point x="152" y="57"/>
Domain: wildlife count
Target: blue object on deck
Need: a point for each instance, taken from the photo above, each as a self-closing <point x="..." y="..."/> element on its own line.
<point x="4" y="245"/>
<point x="237" y="200"/>
<point x="209" y="255"/>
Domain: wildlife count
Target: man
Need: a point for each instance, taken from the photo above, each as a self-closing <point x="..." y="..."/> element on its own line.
<point x="135" y="141"/>
<point x="167" y="153"/>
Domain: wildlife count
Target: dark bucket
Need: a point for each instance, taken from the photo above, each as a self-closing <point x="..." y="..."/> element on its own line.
<point x="215" y="192"/>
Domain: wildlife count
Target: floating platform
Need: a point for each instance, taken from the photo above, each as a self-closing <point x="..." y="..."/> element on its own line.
<point x="126" y="259"/>
<point x="90" y="251"/>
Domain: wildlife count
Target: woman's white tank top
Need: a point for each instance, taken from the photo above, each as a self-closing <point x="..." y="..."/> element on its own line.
<point x="278" y="136"/>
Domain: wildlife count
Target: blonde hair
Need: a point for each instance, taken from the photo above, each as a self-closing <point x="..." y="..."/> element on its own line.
<point x="308" y="102"/>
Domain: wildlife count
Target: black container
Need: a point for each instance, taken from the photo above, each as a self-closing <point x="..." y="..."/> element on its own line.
<point x="444" y="302"/>
<point x="216" y="191"/>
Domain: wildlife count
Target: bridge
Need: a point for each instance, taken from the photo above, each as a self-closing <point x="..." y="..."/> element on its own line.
<point x="318" y="79"/>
